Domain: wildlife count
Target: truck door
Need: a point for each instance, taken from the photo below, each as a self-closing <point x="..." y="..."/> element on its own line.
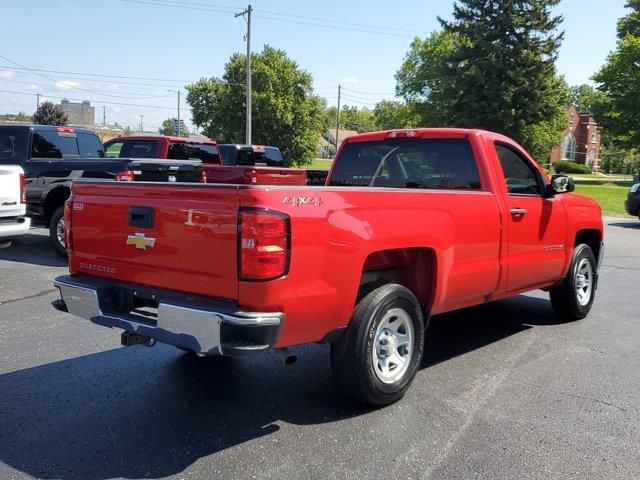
<point x="536" y="225"/>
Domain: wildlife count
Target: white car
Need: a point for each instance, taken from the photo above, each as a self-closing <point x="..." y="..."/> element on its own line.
<point x="12" y="203"/>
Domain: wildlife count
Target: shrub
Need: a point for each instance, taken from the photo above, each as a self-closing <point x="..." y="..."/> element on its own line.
<point x="564" y="166"/>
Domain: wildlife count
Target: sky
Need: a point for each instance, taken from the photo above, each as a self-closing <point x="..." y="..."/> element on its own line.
<point x="124" y="55"/>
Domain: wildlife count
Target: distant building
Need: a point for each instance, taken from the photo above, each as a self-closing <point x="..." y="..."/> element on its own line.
<point x="582" y="140"/>
<point x="327" y="142"/>
<point x="79" y="113"/>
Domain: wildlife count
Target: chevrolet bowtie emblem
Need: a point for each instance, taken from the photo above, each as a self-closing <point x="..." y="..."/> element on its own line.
<point x="140" y="241"/>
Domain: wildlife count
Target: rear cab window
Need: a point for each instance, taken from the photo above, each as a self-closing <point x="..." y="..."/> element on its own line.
<point x="54" y="144"/>
<point x="132" y="149"/>
<point x="14" y="143"/>
<point x="207" y="153"/>
<point x="443" y="164"/>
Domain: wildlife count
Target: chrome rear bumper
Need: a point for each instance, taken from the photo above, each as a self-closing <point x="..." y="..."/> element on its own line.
<point x="203" y="325"/>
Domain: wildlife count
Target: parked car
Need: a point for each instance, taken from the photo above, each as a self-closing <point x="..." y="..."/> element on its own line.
<point x="632" y="203"/>
<point x="412" y="223"/>
<point x="53" y="157"/>
<point x="13" y="205"/>
<point x="248" y="171"/>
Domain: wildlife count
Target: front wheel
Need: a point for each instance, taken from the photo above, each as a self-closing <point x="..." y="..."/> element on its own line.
<point x="378" y="356"/>
<point x="573" y="298"/>
<point x="56" y="232"/>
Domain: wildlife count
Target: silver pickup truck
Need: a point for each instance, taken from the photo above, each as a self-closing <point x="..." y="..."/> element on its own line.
<point x="12" y="204"/>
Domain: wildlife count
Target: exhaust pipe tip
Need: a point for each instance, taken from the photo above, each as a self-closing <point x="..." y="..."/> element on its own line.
<point x="286" y="355"/>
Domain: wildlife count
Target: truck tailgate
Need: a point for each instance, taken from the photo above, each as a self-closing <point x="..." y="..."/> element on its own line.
<point x="180" y="237"/>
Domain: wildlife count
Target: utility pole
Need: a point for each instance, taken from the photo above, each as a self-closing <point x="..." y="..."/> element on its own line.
<point x="178" y="92"/>
<point x="141" y="117"/>
<point x="247" y="37"/>
<point x="104" y="115"/>
<point x="338" y="119"/>
<point x="37" y="100"/>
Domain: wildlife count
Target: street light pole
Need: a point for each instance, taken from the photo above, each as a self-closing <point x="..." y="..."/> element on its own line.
<point x="248" y="99"/>
<point x="178" y="92"/>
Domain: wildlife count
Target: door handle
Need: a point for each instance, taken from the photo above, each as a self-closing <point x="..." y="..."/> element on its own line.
<point x="518" y="211"/>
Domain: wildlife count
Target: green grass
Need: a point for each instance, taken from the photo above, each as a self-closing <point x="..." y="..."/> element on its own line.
<point x="320" y="164"/>
<point x="610" y="197"/>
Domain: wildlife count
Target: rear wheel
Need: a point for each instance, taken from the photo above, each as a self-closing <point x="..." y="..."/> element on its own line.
<point x="378" y="356"/>
<point x="573" y="298"/>
<point x="56" y="232"/>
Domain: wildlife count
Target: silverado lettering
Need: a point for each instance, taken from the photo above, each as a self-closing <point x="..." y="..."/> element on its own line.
<point x="410" y="223"/>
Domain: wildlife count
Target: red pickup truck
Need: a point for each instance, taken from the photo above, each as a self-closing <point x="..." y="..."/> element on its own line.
<point x="208" y="151"/>
<point x="411" y="223"/>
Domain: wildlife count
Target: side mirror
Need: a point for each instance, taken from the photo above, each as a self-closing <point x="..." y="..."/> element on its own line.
<point x="560" y="184"/>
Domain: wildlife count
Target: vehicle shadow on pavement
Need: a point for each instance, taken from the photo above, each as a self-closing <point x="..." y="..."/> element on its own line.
<point x="634" y="225"/>
<point x="32" y="249"/>
<point x="456" y="333"/>
<point x="150" y="413"/>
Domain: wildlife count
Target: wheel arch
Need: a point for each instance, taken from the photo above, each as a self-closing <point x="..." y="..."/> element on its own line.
<point x="413" y="267"/>
<point x="591" y="237"/>
<point x="54" y="199"/>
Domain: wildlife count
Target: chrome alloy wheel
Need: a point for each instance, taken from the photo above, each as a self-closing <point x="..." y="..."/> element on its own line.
<point x="393" y="346"/>
<point x="60" y="232"/>
<point x="584" y="282"/>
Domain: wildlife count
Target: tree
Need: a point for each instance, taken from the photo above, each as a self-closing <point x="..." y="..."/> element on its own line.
<point x="50" y="114"/>
<point x="168" y="127"/>
<point x="589" y="100"/>
<point x="359" y="119"/>
<point x="619" y="78"/>
<point x="389" y="114"/>
<point x="492" y="67"/>
<point x="285" y="111"/>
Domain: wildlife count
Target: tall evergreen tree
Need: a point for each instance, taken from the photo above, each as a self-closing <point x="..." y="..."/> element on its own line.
<point x="502" y="75"/>
<point x="493" y="67"/>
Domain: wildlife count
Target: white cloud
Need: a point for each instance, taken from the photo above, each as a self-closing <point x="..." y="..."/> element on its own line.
<point x="66" y="84"/>
<point x="8" y="73"/>
<point x="113" y="86"/>
<point x="349" y="80"/>
<point x="31" y="87"/>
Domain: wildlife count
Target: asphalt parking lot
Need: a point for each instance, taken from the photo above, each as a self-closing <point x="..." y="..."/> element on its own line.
<point x="505" y="392"/>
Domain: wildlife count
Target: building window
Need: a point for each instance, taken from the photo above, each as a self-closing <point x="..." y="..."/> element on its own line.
<point x="570" y="147"/>
<point x="594" y="137"/>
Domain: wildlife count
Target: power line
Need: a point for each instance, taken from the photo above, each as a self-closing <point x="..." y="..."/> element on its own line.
<point x="140" y="96"/>
<point x="369" y="93"/>
<point x="94" y="74"/>
<point x="330" y="24"/>
<point x="95" y="101"/>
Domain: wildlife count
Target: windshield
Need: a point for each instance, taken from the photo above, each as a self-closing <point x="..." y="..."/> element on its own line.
<point x="402" y="163"/>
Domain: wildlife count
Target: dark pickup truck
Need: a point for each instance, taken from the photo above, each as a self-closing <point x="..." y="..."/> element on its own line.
<point x="53" y="157"/>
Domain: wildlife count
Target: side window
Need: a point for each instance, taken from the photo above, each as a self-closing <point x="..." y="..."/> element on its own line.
<point x="90" y="146"/>
<point x="519" y="174"/>
<point x="50" y="144"/>
<point x="113" y="150"/>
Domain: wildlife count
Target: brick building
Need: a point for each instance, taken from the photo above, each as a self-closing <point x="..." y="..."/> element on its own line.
<point x="79" y="113"/>
<point x="582" y="140"/>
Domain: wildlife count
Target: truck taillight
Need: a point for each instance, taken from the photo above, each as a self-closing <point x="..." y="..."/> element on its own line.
<point x="125" y="176"/>
<point x="252" y="176"/>
<point x="68" y="236"/>
<point x="263" y="244"/>
<point x="23" y="195"/>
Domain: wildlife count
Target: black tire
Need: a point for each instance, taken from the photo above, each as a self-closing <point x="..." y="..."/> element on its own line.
<point x="53" y="232"/>
<point x="352" y="358"/>
<point x="565" y="298"/>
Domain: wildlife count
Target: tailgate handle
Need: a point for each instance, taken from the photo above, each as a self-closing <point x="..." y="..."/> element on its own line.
<point x="141" y="217"/>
